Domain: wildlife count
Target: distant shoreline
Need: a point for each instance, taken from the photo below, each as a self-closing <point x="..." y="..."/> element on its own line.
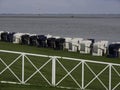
<point x="59" y="15"/>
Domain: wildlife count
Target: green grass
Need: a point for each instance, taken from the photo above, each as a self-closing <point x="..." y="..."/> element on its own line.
<point x="26" y="87"/>
<point x="38" y="82"/>
<point x="47" y="51"/>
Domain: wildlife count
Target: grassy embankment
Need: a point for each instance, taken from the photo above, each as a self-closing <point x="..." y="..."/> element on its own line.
<point x="39" y="83"/>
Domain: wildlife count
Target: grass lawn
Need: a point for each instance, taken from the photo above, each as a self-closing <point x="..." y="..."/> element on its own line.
<point x="25" y="87"/>
<point x="38" y="82"/>
<point x="47" y="51"/>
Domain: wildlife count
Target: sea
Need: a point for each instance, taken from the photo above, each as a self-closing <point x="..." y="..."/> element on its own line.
<point x="80" y="27"/>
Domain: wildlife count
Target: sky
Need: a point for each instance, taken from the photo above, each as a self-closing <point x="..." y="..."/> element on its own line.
<point x="60" y="6"/>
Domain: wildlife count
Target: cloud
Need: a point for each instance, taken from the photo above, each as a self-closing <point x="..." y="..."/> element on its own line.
<point x="59" y="6"/>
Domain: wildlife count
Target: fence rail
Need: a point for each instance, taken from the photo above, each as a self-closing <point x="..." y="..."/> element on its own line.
<point x="85" y="65"/>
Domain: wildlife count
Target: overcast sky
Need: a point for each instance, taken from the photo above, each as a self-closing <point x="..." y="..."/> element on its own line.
<point x="60" y="6"/>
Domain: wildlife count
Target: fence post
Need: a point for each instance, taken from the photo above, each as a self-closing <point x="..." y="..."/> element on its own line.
<point x="23" y="57"/>
<point x="53" y="71"/>
<point x="83" y="62"/>
<point x="110" y="73"/>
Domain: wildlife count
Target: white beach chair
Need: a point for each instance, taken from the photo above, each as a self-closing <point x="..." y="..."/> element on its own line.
<point x="85" y="46"/>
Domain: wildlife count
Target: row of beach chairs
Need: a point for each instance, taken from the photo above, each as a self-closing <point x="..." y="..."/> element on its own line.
<point x="84" y="46"/>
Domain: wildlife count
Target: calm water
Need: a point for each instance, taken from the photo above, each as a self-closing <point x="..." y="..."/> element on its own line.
<point x="97" y="28"/>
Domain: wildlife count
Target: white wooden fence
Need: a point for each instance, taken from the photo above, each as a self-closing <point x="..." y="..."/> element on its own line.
<point x="56" y="59"/>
